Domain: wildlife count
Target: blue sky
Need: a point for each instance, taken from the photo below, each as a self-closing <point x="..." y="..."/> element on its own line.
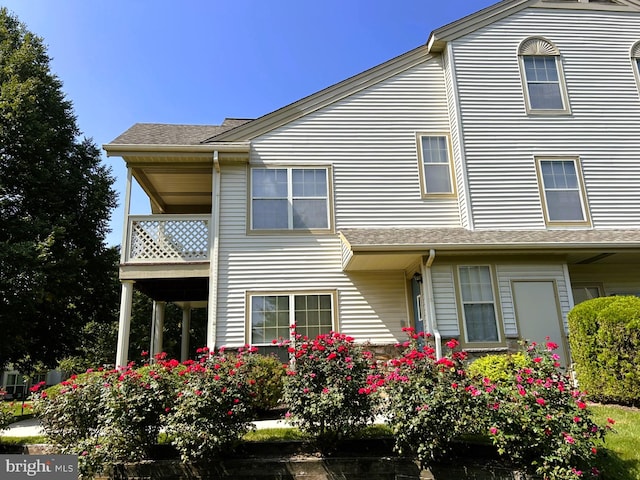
<point x="199" y="61"/>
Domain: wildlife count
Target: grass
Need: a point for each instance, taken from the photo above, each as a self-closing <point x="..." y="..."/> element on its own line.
<point x="620" y="459"/>
<point x="17" y="410"/>
<point x="23" y="440"/>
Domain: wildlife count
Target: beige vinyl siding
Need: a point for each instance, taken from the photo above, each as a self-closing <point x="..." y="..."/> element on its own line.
<point x="371" y="306"/>
<point x="444" y="294"/>
<point x="616" y="279"/>
<point x="501" y="140"/>
<point x="370" y="139"/>
<point x="508" y="273"/>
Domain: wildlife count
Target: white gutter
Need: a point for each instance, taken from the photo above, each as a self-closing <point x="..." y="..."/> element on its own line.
<point x="214" y="256"/>
<point x="427" y="286"/>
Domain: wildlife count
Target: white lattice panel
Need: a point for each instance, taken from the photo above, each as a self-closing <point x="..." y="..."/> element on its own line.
<point x="157" y="240"/>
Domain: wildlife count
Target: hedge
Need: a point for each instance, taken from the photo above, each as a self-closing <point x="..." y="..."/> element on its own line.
<point x="605" y="345"/>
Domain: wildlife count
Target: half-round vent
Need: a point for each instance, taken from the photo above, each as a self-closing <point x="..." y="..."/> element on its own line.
<point x="538" y="46"/>
<point x="635" y="50"/>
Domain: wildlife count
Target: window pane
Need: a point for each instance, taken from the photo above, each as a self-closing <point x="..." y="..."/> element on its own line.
<point x="434" y="150"/>
<point x="269" y="318"/>
<point x="270" y="183"/>
<point x="270" y="214"/>
<point x="564" y="205"/>
<point x="480" y="322"/>
<point x="437" y="178"/>
<point x="310" y="214"/>
<point x="313" y="314"/>
<point x="545" y="96"/>
<point x="309" y="182"/>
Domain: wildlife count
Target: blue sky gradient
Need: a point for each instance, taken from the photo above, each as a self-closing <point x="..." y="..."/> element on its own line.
<point x="197" y="62"/>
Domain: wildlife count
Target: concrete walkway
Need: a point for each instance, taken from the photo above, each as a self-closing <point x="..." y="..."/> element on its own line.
<point x="31" y="427"/>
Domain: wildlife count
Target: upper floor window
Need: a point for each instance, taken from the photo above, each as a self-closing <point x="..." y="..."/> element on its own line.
<point x="435" y="165"/>
<point x="290" y="198"/>
<point x="271" y="316"/>
<point x="478" y="304"/>
<point x="562" y="191"/>
<point x="542" y="77"/>
<point x="635" y="59"/>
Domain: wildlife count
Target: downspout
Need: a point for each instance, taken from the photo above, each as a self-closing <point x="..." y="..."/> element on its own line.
<point x="427" y="286"/>
<point x="214" y="255"/>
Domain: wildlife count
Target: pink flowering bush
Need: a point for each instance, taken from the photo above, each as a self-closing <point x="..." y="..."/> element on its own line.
<point x="429" y="401"/>
<point x="330" y="386"/>
<point x="212" y="409"/>
<point x="538" y="420"/>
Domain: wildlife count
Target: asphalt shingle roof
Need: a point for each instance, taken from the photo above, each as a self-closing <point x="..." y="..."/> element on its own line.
<point x="460" y="237"/>
<point x="170" y="134"/>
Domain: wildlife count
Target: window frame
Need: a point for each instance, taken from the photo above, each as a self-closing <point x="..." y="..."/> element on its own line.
<point x="290" y="229"/>
<point x="586" y="221"/>
<point x="635" y="62"/>
<point x="421" y="166"/>
<point x="541" y="47"/>
<point x="464" y="337"/>
<point x="586" y="285"/>
<point x="291" y="294"/>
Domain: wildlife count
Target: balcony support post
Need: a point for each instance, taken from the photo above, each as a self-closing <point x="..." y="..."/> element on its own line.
<point x="157" y="328"/>
<point x="186" y="329"/>
<point x="124" y="326"/>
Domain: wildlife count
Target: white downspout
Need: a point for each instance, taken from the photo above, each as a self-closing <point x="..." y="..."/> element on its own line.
<point x="427" y="286"/>
<point x="213" y="255"/>
<point x="124" y="248"/>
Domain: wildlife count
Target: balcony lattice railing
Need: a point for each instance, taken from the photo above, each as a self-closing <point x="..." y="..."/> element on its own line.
<point x="168" y="238"/>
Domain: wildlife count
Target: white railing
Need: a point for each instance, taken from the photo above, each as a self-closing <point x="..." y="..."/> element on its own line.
<point x="167" y="238"/>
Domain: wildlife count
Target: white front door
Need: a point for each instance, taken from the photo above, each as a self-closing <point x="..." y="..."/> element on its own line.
<point x="538" y="314"/>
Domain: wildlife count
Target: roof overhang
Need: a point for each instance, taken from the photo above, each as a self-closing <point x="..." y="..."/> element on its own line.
<point x="178" y="178"/>
<point x="401" y="248"/>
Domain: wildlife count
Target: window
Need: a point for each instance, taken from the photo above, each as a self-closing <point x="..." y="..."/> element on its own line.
<point x="435" y="165"/>
<point x="289" y="198"/>
<point x="562" y="190"/>
<point x="585" y="292"/>
<point x="635" y="59"/>
<point x="271" y="316"/>
<point x="542" y="77"/>
<point x="478" y="304"/>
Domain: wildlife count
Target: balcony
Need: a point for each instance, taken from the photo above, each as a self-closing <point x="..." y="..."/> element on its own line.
<point x="168" y="239"/>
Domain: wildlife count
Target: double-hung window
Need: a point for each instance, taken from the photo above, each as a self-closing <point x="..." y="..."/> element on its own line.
<point x="562" y="191"/>
<point x="435" y="165"/>
<point x="542" y="77"/>
<point x="478" y="304"/>
<point x="272" y="315"/>
<point x="290" y="198"/>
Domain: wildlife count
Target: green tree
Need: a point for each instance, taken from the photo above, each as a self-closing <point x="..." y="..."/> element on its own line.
<point x="55" y="200"/>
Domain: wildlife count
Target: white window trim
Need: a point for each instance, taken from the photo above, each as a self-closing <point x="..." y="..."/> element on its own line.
<point x="291" y="294"/>
<point x="543" y="194"/>
<point x="289" y="168"/>
<point x="635" y="62"/>
<point x="423" y="180"/>
<point x="496" y="312"/>
<point x="539" y="46"/>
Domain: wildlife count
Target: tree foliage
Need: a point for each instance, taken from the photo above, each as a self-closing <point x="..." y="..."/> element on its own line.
<point x="56" y="274"/>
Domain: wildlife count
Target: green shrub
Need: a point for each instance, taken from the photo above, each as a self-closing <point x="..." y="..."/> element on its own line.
<point x="329" y="387"/>
<point x="605" y="345"/>
<point x="497" y="367"/>
<point x="267" y="374"/>
<point x="6" y="416"/>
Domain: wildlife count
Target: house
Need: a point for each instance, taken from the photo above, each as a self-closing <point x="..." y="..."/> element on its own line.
<point x="476" y="187"/>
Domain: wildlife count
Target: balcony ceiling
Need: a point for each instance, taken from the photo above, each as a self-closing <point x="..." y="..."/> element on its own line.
<point x="177" y="189"/>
